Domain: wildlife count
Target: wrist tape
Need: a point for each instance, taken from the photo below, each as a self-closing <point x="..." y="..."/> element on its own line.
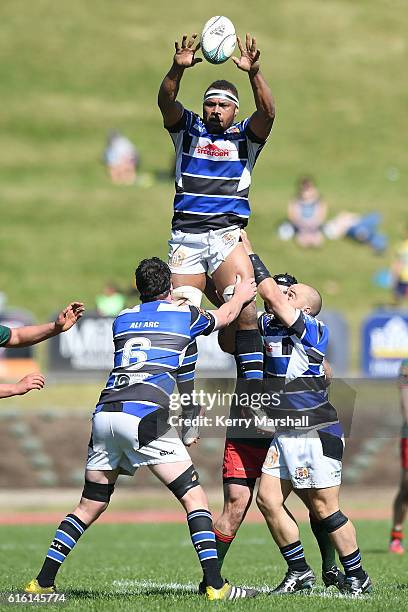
<point x="260" y="270"/>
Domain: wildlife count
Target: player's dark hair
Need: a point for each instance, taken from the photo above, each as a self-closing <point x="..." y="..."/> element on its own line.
<point x="285" y="279"/>
<point x="153" y="279"/>
<point x="223" y="84"/>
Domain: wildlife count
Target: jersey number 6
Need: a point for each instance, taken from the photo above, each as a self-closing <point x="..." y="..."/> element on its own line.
<point x="134" y="359"/>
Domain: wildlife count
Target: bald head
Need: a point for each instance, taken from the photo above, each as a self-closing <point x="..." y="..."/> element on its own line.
<point x="306" y="298"/>
<point x="314" y="299"/>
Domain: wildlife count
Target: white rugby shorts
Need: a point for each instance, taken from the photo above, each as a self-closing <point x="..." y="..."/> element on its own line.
<point x="115" y="444"/>
<point x="299" y="457"/>
<point x="201" y="253"/>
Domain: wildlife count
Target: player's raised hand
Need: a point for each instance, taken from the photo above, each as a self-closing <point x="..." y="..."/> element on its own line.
<point x="185" y="53"/>
<point x="249" y="60"/>
<point x="69" y="316"/>
<point x="30" y="382"/>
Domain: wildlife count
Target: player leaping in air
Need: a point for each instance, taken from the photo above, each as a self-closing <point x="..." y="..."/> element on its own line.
<point x="215" y="157"/>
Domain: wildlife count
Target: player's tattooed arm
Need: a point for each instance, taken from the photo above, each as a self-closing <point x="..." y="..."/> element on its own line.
<point x="261" y="121"/>
<point x="32" y="334"/>
<point x="184" y="57"/>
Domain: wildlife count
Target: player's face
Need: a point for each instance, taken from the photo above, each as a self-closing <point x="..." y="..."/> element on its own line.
<point x="297" y="297"/>
<point x="218" y="114"/>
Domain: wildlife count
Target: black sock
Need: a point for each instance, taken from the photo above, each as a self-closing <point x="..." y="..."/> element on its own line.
<point x="66" y="536"/>
<point x="249" y="354"/>
<point x="352" y="564"/>
<point x="327" y="550"/>
<point x="203" y="538"/>
<point x="223" y="543"/>
<point x="294" y="556"/>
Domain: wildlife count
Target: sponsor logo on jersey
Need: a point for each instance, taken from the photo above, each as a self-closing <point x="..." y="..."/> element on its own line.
<point x="211" y="150"/>
<point x="164" y="452"/>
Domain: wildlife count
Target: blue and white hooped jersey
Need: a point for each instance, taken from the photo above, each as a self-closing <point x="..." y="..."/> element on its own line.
<point x="296" y="351"/>
<point x="294" y="365"/>
<point x="213" y="174"/>
<point x="150" y="345"/>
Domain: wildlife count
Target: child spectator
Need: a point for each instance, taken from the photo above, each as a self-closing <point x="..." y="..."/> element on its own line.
<point x="306" y="215"/>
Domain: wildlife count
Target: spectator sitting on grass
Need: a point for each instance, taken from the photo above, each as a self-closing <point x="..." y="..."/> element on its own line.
<point x="306" y="215"/>
<point x="361" y="228"/>
<point x="121" y="158"/>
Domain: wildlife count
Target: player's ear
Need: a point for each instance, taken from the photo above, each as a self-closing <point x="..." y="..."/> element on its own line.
<point x="307" y="310"/>
<point x="235" y="112"/>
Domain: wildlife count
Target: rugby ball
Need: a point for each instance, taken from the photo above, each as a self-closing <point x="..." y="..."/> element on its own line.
<point x="218" y="39"/>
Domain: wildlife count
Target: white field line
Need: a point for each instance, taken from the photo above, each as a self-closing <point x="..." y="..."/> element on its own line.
<point x="138" y="587"/>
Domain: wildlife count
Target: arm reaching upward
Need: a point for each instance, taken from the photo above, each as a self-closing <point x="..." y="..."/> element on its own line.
<point x="268" y="289"/>
<point x="261" y="121"/>
<point x="170" y="107"/>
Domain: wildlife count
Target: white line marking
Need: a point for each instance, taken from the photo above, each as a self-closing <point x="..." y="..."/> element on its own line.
<point x="139" y="587"/>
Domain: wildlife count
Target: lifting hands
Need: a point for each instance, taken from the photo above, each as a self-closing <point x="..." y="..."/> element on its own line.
<point x="185" y="54"/>
<point x="249" y="60"/>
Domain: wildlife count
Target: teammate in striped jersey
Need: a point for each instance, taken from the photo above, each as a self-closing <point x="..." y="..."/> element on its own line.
<point x="130" y="423"/>
<point x="306" y="454"/>
<point x="215" y="157"/>
<point x="244" y="455"/>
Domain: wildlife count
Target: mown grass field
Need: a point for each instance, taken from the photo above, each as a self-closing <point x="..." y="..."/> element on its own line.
<point x="71" y="71"/>
<point x="153" y="567"/>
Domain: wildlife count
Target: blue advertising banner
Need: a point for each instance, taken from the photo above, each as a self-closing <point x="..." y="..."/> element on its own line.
<point x="384" y="343"/>
<point x="338" y="351"/>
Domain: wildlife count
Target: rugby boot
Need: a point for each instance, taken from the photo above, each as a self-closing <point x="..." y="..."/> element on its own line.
<point x="35" y="587"/>
<point x="294" y="582"/>
<point x="357" y="586"/>
<point x="203" y="586"/>
<point x="396" y="546"/>
<point x="333" y="577"/>
<point x="228" y="592"/>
